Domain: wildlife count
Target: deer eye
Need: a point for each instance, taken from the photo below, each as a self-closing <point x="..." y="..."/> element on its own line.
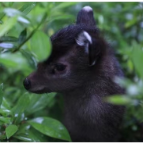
<point x="59" y="67"/>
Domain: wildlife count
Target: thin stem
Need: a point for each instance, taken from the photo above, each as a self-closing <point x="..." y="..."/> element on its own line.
<point x="32" y="33"/>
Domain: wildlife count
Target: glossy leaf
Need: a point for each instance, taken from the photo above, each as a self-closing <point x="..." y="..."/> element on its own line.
<point x="27" y="133"/>
<point x="50" y="127"/>
<point x="22" y="36"/>
<point x="20" y="107"/>
<point x="39" y="102"/>
<point x="23" y="138"/>
<point x="22" y="104"/>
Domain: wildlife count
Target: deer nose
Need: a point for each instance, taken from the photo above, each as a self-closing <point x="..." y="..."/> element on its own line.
<point x="27" y="83"/>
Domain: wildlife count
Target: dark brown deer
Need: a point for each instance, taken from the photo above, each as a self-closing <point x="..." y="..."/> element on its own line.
<point x="82" y="67"/>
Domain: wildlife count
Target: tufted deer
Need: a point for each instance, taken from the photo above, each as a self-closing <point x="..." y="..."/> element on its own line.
<point x="82" y="67"/>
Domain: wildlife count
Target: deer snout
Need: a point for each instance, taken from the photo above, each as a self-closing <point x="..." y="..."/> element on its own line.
<point x="27" y="83"/>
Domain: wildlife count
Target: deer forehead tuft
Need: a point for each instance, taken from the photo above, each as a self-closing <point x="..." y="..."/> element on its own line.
<point x="87" y="8"/>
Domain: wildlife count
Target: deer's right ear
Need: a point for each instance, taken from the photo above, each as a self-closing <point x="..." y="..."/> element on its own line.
<point x="85" y="16"/>
<point x="90" y="45"/>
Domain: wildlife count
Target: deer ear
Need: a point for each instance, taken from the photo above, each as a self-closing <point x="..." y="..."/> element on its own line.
<point x="90" y="45"/>
<point x="85" y="16"/>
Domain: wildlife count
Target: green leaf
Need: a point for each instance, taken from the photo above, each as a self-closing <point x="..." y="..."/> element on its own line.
<point x="5" y="120"/>
<point x="11" y="130"/>
<point x="6" y="4"/>
<point x="11" y="12"/>
<point x="10" y="4"/>
<point x="40" y="45"/>
<point x="118" y="99"/>
<point x="5" y="104"/>
<point x="39" y="102"/>
<point x="22" y="104"/>
<point x="28" y="133"/>
<point x="23" y="138"/>
<point x="7" y="25"/>
<point x="1" y="94"/>
<point x="137" y="57"/>
<point x="61" y="6"/>
<point x="20" y="107"/>
<point x="15" y="61"/>
<point x="50" y="127"/>
<point x="131" y="23"/>
<point x="60" y="17"/>
<point x="30" y="58"/>
<point x="26" y="8"/>
<point x="4" y="111"/>
<point x="8" y="39"/>
<point x="22" y="36"/>
<point x="7" y="42"/>
<point x="2" y="137"/>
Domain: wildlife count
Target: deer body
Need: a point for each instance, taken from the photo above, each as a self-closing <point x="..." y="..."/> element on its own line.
<point x="82" y="67"/>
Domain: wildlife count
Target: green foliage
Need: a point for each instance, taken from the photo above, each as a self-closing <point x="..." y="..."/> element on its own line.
<point x="25" y="29"/>
<point x="50" y="127"/>
<point x="11" y="130"/>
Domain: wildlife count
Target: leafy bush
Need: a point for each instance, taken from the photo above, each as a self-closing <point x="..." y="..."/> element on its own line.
<point x="24" y="40"/>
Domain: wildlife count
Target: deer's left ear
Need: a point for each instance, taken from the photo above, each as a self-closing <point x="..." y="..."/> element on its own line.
<point x="90" y="45"/>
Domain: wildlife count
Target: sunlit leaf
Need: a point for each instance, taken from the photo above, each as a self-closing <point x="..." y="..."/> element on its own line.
<point x="11" y="12"/>
<point x="118" y="99"/>
<point x="4" y="111"/>
<point x="7" y="25"/>
<point x="50" y="127"/>
<point x="131" y="23"/>
<point x="40" y="45"/>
